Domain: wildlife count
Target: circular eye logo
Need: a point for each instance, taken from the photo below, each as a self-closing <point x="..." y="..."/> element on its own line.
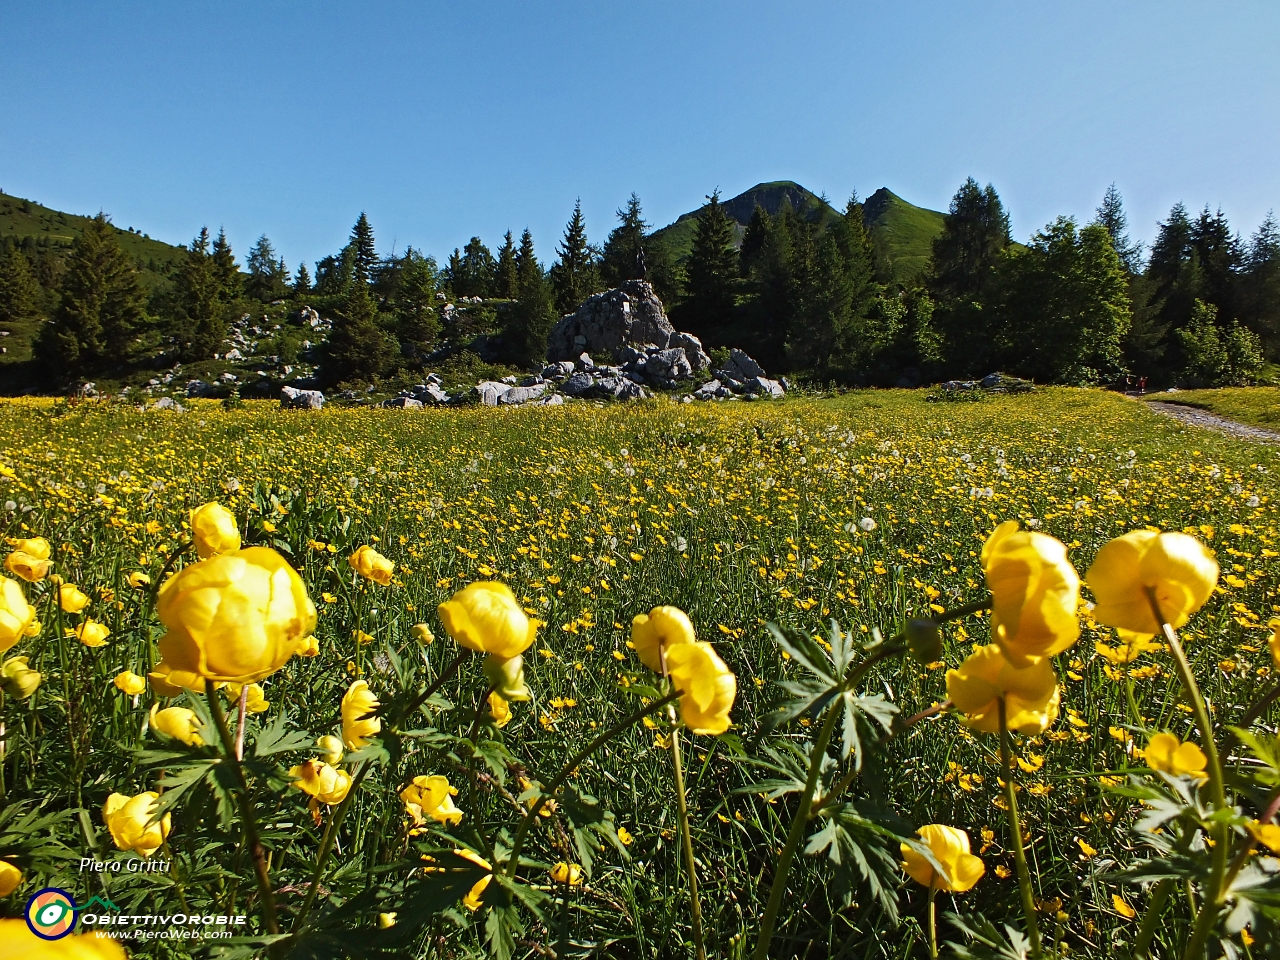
<point x="51" y="913"/>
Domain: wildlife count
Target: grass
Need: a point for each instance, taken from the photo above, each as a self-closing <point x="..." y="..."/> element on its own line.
<point x="902" y="232"/>
<point x="1254" y="406"/>
<point x="741" y="514"/>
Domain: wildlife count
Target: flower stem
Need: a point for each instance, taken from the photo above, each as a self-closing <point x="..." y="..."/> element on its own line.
<point x="933" y="922"/>
<point x="794" y="836"/>
<point x="559" y="779"/>
<point x="437" y="683"/>
<point x="326" y="845"/>
<point x="246" y="812"/>
<point x="244" y="702"/>
<point x="686" y="839"/>
<point x="1142" y="945"/>
<point x="1015" y="828"/>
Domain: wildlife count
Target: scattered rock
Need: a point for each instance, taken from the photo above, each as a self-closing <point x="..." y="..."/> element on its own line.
<point x="708" y="390"/>
<point x="559" y="370"/>
<point x="578" y="384"/>
<point x="233" y="354"/>
<point x="403" y="403"/>
<point x="763" y="386"/>
<point x="198" y="388"/>
<point x="292" y="398"/>
<point x="168" y="403"/>
<point x="518" y="395"/>
<point x="489" y="391"/>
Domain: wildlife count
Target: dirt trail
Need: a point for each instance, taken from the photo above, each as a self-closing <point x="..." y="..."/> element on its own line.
<point x="1203" y="418"/>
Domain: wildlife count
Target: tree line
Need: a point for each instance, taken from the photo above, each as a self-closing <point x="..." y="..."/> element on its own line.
<point x="805" y="293"/>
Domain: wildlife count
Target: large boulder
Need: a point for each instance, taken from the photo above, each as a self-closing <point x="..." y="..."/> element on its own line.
<point x="518" y="395"/>
<point x="578" y="384"/>
<point x="403" y="403"/>
<point x="627" y="315"/>
<point x="291" y="398"/>
<point x="490" y="391"/>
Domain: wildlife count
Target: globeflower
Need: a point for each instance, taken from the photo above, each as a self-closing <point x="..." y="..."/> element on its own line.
<point x="422" y="633"/>
<point x="1167" y="754"/>
<point x="16" y="615"/>
<point x="372" y="565"/>
<point x="570" y="874"/>
<point x="17" y="679"/>
<point x="168" y="682"/>
<point x="332" y="748"/>
<point x="71" y="598"/>
<point x="325" y="783"/>
<point x="10" y="879"/>
<point x="1180" y="570"/>
<point x="658" y="631"/>
<point x="309" y="646"/>
<point x="178" y="723"/>
<point x="235" y="617"/>
<point x="214" y="530"/>
<point x="130" y="683"/>
<point x="1035" y="592"/>
<point x="17" y="942"/>
<point x="486" y="617"/>
<point x="1030" y="693"/>
<point x="500" y="710"/>
<point x="255" y="702"/>
<point x="472" y="900"/>
<point x="138" y="580"/>
<point x="1274" y="643"/>
<point x="506" y="676"/>
<point x="707" y="685"/>
<point x="357" y="702"/>
<point x="128" y="819"/>
<point x="950" y="847"/>
<point x="92" y="633"/>
<point x="35" y="547"/>
<point x="431" y="797"/>
<point x="24" y="565"/>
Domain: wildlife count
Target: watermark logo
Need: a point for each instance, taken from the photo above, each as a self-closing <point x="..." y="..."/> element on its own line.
<point x="51" y="913"/>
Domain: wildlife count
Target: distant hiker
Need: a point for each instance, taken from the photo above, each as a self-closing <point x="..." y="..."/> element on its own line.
<point x="1142" y="385"/>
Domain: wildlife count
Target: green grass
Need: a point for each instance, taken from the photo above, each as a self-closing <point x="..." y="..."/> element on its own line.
<point x="902" y="232"/>
<point x="1254" y="406"/>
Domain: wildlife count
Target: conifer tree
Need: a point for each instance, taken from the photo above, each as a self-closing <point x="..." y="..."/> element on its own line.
<point x="19" y="292"/>
<point x="574" y="276"/>
<point x="197" y="290"/>
<point x="302" y="281"/>
<point x="712" y="267"/>
<point x="101" y="309"/>
<point x="225" y="268"/>
<point x="533" y="314"/>
<point x="365" y="256"/>
<point x="506" y="282"/>
<point x="268" y="276"/>
<point x="624" y="250"/>
<point x="358" y="348"/>
<point x="1261" y="293"/>
<point x="417" y="321"/>
<point x="1111" y="216"/>
<point x="472" y="273"/>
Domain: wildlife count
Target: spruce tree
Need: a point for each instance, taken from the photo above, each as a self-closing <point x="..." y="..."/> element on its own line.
<point x="754" y="240"/>
<point x="533" y="314"/>
<point x="225" y="268"/>
<point x="417" y="320"/>
<point x="101" y="309"/>
<point x="302" y="281"/>
<point x="1261" y="285"/>
<point x="358" y="348"/>
<point x="365" y="256"/>
<point x="1111" y="216"/>
<point x="712" y="268"/>
<point x="506" y="282"/>
<point x="574" y="276"/>
<point x="19" y="292"/>
<point x="268" y="276"/>
<point x="624" y="250"/>
<point x="197" y="288"/>
<point x="472" y="273"/>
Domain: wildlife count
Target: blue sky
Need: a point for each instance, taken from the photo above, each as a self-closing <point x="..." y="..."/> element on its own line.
<point x="444" y="120"/>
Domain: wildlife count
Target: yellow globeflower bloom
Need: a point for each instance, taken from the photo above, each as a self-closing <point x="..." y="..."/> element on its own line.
<point x="500" y="710"/>
<point x="318" y="779"/>
<point x="566" y="873"/>
<point x="16" y="615"/>
<point x="357" y="702"/>
<point x="169" y="683"/>
<point x="486" y="617"/>
<point x="422" y="633"/>
<point x="950" y="847"/>
<point x="71" y="598"/>
<point x="235" y="617"/>
<point x="138" y="580"/>
<point x="332" y="748"/>
<point x="386" y="920"/>
<point x="1180" y="569"/>
<point x="26" y="566"/>
<point x="130" y="683"/>
<point x="1035" y="592"/>
<point x="472" y="900"/>
<point x="660" y="629"/>
<point x="372" y="565"/>
<point x="1030" y="693"/>
<point x="92" y="633"/>
<point x="10" y="879"/>
<point x="17" y="679"/>
<point x="431" y="797"/>
<point x="214" y="530"/>
<point x="128" y="820"/>
<point x="1168" y="755"/>
<point x="17" y="942"/>
<point x="1267" y="834"/>
<point x="1274" y="643"/>
<point x="255" y="702"/>
<point x="178" y="723"/>
<point x="707" y="684"/>
<point x="506" y="676"/>
<point x="35" y="547"/>
<point x="309" y="646"/>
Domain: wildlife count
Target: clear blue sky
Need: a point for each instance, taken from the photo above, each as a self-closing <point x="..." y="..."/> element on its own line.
<point x="444" y="120"/>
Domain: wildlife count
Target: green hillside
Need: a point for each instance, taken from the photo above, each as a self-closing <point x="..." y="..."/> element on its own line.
<point x="903" y="233"/>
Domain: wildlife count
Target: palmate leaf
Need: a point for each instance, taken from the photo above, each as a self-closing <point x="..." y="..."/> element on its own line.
<point x="863" y="709"/>
<point x="787" y="759"/>
<point x="805" y="652"/>
<point x="986" y="942"/>
<point x="276" y="738"/>
<point x="864" y="851"/>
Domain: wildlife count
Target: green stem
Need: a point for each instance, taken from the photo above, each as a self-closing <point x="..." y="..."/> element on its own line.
<point x="437" y="683"/>
<point x="559" y="779"/>
<point x="1142" y="946"/>
<point x="246" y="810"/>
<point x="1015" y="828"/>
<point x="933" y="922"/>
<point x="695" y="907"/>
<point x="794" y="836"/>
<point x="326" y="845"/>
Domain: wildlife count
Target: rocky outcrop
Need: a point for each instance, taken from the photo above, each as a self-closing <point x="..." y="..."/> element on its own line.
<point x="292" y="398"/>
<point x="741" y="376"/>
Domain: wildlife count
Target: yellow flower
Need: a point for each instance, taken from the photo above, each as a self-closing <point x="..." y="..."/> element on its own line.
<point x="372" y="565"/>
<point x="16" y="615"/>
<point x="1267" y="834"/>
<point x="308" y="646"/>
<point x="624" y="836"/>
<point x="1168" y="755"/>
<point x="214" y="530"/>
<point x="255" y="702"/>
<point x="1180" y="569"/>
<point x="660" y="629"/>
<point x="386" y="920"/>
<point x="707" y="684"/>
<point x="322" y="781"/>
<point x="92" y="633"/>
<point x="234" y="617"/>
<point x="500" y="710"/>
<point x="1274" y="643"/>
<point x="431" y="797"/>
<point x="169" y="683"/>
<point x="130" y="683"/>
<point x="138" y="580"/>
<point x="567" y="873"/>
<point x="472" y="900"/>
<point x="1030" y="693"/>
<point x="129" y="820"/>
<point x="1123" y="908"/>
<point x="71" y="598"/>
<point x="357" y="702"/>
<point x="29" y="568"/>
<point x="332" y="748"/>
<point x="506" y="676"/>
<point x="10" y="878"/>
<point x="17" y="942"/>
<point x="422" y="633"/>
<point x="486" y="617"/>
<point x="950" y="847"/>
<point x="1035" y="592"/>
<point x="17" y="679"/>
<point x="35" y="547"/>
<point x="178" y="723"/>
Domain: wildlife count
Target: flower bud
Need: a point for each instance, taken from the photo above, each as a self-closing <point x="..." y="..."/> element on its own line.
<point x="506" y="676"/>
<point x="422" y="633"/>
<point x="214" y="530"/>
<point x="17" y="679"/>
